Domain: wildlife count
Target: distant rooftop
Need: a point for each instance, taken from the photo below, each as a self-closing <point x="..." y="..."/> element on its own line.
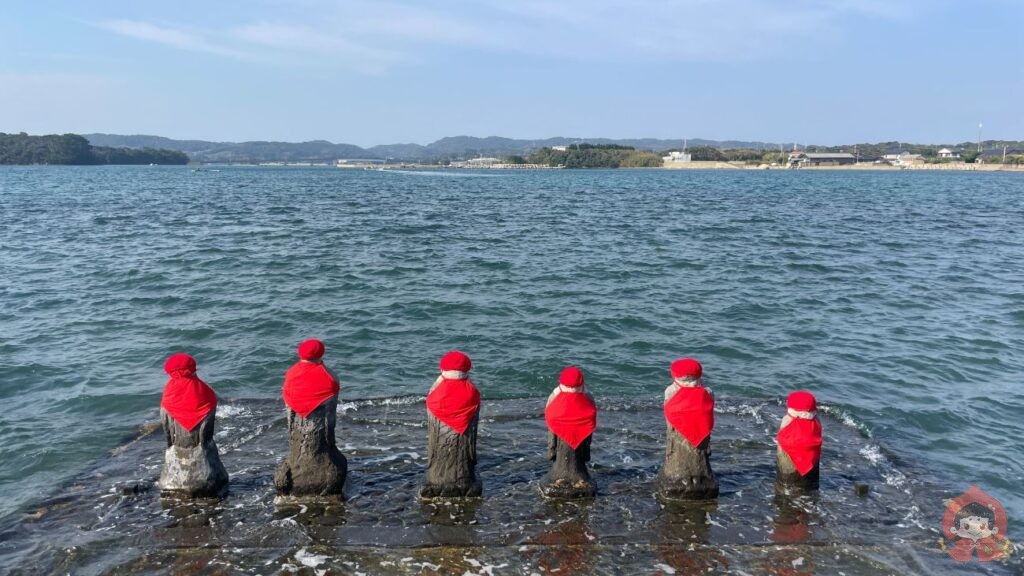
<point x="827" y="155"/>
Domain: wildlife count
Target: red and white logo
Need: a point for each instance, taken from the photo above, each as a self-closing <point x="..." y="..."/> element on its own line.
<point x="975" y="523"/>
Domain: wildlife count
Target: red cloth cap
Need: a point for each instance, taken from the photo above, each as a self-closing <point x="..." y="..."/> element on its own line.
<point x="307" y="386"/>
<point x="311" y="349"/>
<point x="572" y="416"/>
<point x="686" y="368"/>
<point x="802" y="401"/>
<point x="186" y="398"/>
<point x="455" y="360"/>
<point x="691" y="412"/>
<point x="571" y="377"/>
<point x="180" y="362"/>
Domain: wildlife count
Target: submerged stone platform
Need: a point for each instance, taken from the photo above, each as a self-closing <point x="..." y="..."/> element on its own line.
<point x="110" y="519"/>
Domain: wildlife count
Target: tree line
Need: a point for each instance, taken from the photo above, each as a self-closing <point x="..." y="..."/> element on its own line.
<point x="72" y="149"/>
<point x="594" y="156"/>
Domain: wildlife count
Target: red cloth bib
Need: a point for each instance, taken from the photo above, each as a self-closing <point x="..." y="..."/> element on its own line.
<point x="572" y="416"/>
<point x="801" y="441"/>
<point x="454" y="402"/>
<point x="306" y="386"/>
<point x="692" y="413"/>
<point x="187" y="399"/>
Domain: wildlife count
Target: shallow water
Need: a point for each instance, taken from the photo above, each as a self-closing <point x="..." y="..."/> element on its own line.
<point x="111" y="520"/>
<point x="896" y="297"/>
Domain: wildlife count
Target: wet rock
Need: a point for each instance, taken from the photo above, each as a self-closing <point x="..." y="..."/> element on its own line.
<point x="135" y="488"/>
<point x="686" y="473"/>
<point x="314" y="466"/>
<point x="568" y="477"/>
<point x="192" y="466"/>
<point x="451" y="461"/>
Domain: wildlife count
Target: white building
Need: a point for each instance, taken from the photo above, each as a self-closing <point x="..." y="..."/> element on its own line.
<point x="947" y="153"/>
<point x="560" y="148"/>
<point x="677" y="157"/>
<point x="483" y="161"/>
<point x="903" y="159"/>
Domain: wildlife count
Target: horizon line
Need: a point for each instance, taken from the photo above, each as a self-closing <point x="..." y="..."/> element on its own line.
<point x="575" y="140"/>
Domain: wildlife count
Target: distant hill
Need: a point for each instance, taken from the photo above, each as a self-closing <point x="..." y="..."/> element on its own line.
<point x="258" y="151"/>
<point x="453" y="147"/>
<point x="140" y="141"/>
<point x="400" y="151"/>
<point x="72" y="149"/>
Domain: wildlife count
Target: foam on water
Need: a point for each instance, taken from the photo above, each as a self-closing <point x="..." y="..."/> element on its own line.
<point x="110" y="519"/>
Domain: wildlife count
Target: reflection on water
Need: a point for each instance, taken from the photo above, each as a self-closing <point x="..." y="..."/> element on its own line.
<point x="110" y="520"/>
<point x="682" y="527"/>
<point x="565" y="547"/>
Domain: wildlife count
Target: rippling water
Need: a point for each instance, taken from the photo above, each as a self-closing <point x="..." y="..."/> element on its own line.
<point x="109" y="519"/>
<point x="897" y="297"/>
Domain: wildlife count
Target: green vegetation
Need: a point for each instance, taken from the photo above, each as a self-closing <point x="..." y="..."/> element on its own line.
<point x="596" y="156"/>
<point x="744" y="155"/>
<point x="76" y="150"/>
<point x="969" y="156"/>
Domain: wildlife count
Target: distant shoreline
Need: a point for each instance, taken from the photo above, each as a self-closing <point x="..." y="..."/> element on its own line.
<point x="948" y="167"/>
<point x="696" y="165"/>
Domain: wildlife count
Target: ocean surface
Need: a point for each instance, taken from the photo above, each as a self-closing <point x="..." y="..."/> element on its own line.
<point x="896" y="297"/>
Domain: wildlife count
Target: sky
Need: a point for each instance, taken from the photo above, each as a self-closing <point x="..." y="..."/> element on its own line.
<point x="373" y="72"/>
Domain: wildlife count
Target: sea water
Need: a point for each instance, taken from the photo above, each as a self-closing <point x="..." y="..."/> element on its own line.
<point x="897" y="297"/>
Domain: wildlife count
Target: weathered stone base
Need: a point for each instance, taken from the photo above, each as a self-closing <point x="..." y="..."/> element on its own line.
<point x="684" y="489"/>
<point x="319" y="476"/>
<point x="472" y="489"/>
<point x="195" y="472"/>
<point x="451" y="462"/>
<point x="314" y="467"/>
<point x="564" y="488"/>
<point x="569" y="477"/>
<point x="789" y="480"/>
<point x="686" y="473"/>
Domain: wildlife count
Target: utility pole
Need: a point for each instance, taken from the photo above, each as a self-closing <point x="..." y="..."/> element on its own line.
<point x="1004" y="153"/>
<point x="979" y="137"/>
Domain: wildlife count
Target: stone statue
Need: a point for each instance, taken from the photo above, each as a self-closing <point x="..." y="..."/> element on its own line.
<point x="689" y="413"/>
<point x="314" y="466"/>
<point x="453" y="413"/>
<point x="188" y="410"/>
<point x="571" y="416"/>
<point x="799" y="439"/>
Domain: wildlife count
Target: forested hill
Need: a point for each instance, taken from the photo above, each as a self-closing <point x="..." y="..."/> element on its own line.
<point x="450" y="148"/>
<point x="76" y="150"/>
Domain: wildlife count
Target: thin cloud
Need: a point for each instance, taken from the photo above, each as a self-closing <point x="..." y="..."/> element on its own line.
<point x="308" y="41"/>
<point x="681" y="30"/>
<point x="173" y="37"/>
<point x="372" y="37"/>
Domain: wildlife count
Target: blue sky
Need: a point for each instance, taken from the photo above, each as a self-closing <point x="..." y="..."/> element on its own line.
<point x="373" y="72"/>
